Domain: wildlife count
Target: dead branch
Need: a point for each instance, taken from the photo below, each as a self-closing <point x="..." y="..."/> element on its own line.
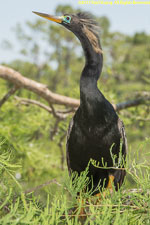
<point x="8" y="94"/>
<point x="132" y="103"/>
<point x="60" y="114"/>
<point x="40" y="89"/>
<point x="60" y="144"/>
<point x="54" y="181"/>
<point x="56" y="114"/>
<point x="55" y="129"/>
<point x="26" y="101"/>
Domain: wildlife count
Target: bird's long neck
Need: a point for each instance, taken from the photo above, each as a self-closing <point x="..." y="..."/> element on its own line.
<point x="92" y="50"/>
<point x="93" y="65"/>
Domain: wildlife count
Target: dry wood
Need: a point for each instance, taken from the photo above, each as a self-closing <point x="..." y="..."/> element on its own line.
<point x="8" y="94"/>
<point x="40" y="89"/>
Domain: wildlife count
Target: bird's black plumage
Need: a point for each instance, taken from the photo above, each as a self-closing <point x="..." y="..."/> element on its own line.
<point x="95" y="130"/>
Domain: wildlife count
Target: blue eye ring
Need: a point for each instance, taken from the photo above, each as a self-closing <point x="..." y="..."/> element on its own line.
<point x="67" y="19"/>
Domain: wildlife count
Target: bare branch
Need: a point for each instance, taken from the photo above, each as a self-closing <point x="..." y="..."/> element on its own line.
<point x="131" y="103"/>
<point x="41" y="186"/>
<point x="38" y="88"/>
<point x="55" y="114"/>
<point x="55" y="129"/>
<point x="60" y="144"/>
<point x="26" y="101"/>
<point x="8" y="94"/>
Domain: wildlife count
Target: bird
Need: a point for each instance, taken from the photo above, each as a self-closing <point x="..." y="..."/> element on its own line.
<point x="95" y="133"/>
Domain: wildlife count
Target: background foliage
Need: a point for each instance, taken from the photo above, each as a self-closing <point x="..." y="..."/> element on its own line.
<point x="32" y="141"/>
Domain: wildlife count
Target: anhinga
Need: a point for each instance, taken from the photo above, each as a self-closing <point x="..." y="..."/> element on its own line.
<point x="95" y="131"/>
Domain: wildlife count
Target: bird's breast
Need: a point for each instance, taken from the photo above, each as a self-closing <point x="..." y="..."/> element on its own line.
<point x="89" y="142"/>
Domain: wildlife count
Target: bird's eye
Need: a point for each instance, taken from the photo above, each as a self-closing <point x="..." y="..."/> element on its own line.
<point x="67" y="19"/>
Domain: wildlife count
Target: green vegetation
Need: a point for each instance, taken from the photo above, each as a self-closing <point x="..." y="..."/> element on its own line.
<point x="32" y="141"/>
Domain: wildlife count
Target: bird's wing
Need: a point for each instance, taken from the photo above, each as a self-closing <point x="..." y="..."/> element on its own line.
<point x="119" y="174"/>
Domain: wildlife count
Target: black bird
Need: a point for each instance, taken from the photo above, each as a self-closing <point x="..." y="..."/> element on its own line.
<point x="95" y="131"/>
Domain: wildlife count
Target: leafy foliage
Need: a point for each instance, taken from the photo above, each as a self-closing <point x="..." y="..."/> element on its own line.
<point x="123" y="207"/>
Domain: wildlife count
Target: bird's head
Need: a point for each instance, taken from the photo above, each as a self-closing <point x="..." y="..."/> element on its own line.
<point x="81" y="24"/>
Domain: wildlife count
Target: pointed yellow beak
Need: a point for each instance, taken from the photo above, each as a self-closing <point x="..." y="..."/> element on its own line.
<point x="57" y="19"/>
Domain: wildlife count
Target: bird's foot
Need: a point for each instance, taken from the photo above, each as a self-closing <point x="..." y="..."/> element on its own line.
<point x="108" y="190"/>
<point x="110" y="183"/>
<point x="80" y="210"/>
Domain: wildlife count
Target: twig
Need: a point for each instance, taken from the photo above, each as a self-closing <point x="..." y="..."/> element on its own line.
<point x="60" y="144"/>
<point x="56" y="113"/>
<point x="17" y="79"/>
<point x="131" y="103"/>
<point x="8" y="94"/>
<point x="55" y="129"/>
<point x="26" y="101"/>
<point x="41" y="186"/>
<point x="134" y="208"/>
<point x="5" y="207"/>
